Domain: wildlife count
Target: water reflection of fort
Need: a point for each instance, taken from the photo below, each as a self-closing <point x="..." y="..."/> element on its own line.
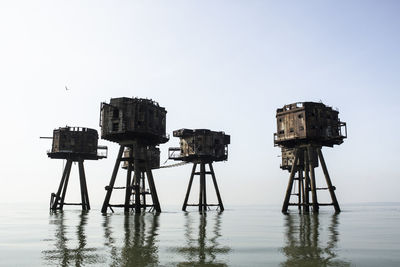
<point x="70" y="248"/>
<point x="139" y="245"/>
<point x="202" y="247"/>
<point x="309" y="244"/>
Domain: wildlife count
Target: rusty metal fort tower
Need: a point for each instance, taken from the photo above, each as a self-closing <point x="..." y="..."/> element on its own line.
<point x="138" y="126"/>
<point x="302" y="130"/>
<point x="201" y="147"/>
<point x="75" y="144"/>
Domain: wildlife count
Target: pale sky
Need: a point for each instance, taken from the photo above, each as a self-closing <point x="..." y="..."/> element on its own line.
<point x="222" y="65"/>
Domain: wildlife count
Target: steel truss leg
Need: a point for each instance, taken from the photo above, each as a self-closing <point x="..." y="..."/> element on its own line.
<point x="306" y="182"/>
<point x="84" y="192"/>
<point x="128" y="187"/>
<point x="328" y="181"/>
<point x="152" y="187"/>
<point x="189" y="187"/>
<point x="62" y="188"/>
<point x="221" y="206"/>
<point x="290" y="184"/>
<point x="313" y="184"/>
<point x="110" y="187"/>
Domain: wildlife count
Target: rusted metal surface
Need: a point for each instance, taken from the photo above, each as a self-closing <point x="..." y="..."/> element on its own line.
<point x="126" y="119"/>
<point x="288" y="159"/>
<point x="308" y="122"/>
<point x="76" y="143"/>
<point x="200" y="145"/>
<point x="150" y="154"/>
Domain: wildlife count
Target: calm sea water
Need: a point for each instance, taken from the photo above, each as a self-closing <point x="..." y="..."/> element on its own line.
<point x="362" y="235"/>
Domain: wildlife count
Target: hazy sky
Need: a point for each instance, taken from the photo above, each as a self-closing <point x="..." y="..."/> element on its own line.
<point x="222" y="65"/>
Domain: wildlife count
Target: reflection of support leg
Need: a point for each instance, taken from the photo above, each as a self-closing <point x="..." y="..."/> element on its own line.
<point x="61" y="186"/>
<point x="65" y="185"/>
<point x="290" y="184"/>
<point x="84" y="192"/>
<point x="328" y="181"/>
<point x="189" y="187"/>
<point x="152" y="187"/>
<point x="110" y="187"/>
<point x="313" y="184"/>
<point x="221" y="206"/>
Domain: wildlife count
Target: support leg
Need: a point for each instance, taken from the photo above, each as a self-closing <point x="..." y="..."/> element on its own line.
<point x="64" y="192"/>
<point x="86" y="190"/>
<point x="303" y="199"/>
<point x="313" y="184"/>
<point x="299" y="182"/>
<point x="84" y="193"/>
<point x="61" y="186"/>
<point x="143" y="188"/>
<point x="306" y="182"/>
<point x="152" y="187"/>
<point x="202" y="188"/>
<point x="328" y="180"/>
<point x="136" y="180"/>
<point x="110" y="187"/>
<point x="189" y="187"/>
<point x="290" y="184"/>
<point x="128" y="187"/>
<point x="221" y="206"/>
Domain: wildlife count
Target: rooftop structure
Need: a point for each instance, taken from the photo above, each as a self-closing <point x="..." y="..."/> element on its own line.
<point x="76" y="143"/>
<point x="308" y="122"/>
<point x="200" y="145"/>
<point x="126" y="119"/>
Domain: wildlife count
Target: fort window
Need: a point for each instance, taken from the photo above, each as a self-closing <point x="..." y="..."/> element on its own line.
<point x="115" y="127"/>
<point x="115" y="113"/>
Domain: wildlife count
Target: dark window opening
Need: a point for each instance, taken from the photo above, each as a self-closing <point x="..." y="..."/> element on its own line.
<point x="115" y="113"/>
<point x="115" y="127"/>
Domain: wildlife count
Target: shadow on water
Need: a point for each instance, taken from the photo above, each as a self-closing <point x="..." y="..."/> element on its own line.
<point x="202" y="249"/>
<point x="67" y="250"/>
<point x="308" y="244"/>
<point x="139" y="246"/>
